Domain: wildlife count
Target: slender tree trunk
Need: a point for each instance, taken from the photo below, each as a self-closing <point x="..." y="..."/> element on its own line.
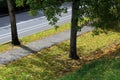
<point x="15" y="40"/>
<point x="74" y="24"/>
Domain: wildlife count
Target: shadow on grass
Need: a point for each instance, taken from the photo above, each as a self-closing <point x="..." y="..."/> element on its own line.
<point x="48" y="64"/>
<point x="65" y="47"/>
<point x="105" y="68"/>
<point x="53" y="62"/>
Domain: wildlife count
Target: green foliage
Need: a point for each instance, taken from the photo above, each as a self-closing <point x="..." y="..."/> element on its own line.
<point x="33" y="12"/>
<point x="104" y="13"/>
<point x="19" y="3"/>
<point x="53" y="62"/>
<point x="51" y="8"/>
<point x="106" y="68"/>
<point x="37" y="36"/>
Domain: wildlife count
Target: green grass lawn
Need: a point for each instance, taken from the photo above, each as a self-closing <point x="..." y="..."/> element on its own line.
<point x="37" y="36"/>
<point x="52" y="63"/>
<point x="106" y="68"/>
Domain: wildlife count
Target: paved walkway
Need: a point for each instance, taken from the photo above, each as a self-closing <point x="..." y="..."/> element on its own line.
<point x="36" y="46"/>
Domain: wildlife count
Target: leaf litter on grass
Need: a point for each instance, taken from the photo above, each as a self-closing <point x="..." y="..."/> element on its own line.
<point x="53" y="62"/>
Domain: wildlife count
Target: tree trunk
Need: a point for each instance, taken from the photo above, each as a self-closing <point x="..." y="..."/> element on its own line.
<point x="74" y="24"/>
<point x="15" y="40"/>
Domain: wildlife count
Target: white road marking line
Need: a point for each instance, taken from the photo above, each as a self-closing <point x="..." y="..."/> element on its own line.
<point x="29" y="20"/>
<point x="34" y="27"/>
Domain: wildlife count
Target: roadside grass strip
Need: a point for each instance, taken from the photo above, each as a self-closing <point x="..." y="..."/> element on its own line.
<point x="53" y="63"/>
<point x="37" y="36"/>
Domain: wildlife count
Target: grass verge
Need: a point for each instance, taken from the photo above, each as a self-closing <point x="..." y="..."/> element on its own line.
<point x="37" y="36"/>
<point x="53" y="62"/>
<point x="106" y="68"/>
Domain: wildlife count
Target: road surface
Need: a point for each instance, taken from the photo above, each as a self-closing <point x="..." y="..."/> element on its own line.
<point x="28" y="25"/>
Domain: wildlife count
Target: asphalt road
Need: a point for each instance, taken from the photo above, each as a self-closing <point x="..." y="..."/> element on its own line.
<point x="28" y="25"/>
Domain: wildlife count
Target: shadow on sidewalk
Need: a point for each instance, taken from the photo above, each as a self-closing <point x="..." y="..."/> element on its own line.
<point x="28" y="49"/>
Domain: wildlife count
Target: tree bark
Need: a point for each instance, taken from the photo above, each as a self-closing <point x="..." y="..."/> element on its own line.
<point x="15" y="40"/>
<point x="74" y="25"/>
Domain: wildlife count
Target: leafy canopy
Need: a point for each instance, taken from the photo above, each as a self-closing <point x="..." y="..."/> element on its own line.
<point x="101" y="13"/>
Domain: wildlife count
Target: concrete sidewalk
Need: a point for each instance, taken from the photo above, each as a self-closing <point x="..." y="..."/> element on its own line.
<point x="36" y="46"/>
